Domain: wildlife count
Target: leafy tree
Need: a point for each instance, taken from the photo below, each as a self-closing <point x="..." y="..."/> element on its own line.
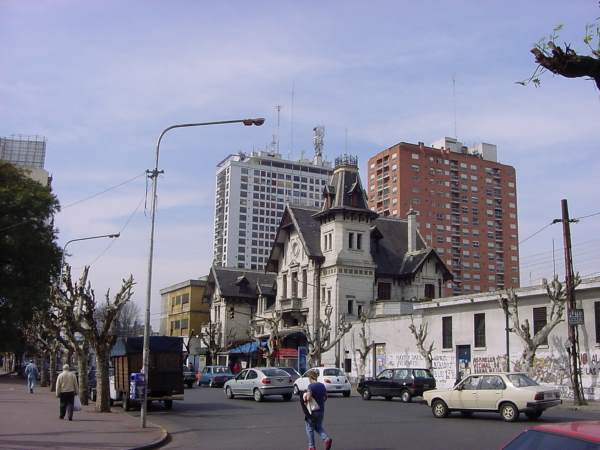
<point x="29" y="256"/>
<point x="564" y="60"/>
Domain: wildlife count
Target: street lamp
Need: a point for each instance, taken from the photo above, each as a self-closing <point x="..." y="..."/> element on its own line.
<point x="153" y="175"/>
<point x="62" y="261"/>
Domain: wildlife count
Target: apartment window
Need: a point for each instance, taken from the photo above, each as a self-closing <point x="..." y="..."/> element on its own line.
<point x="539" y="321"/>
<point x="350" y="240"/>
<point x="294" y="284"/>
<point x="304" y="283"/>
<point x="429" y="291"/>
<point x="185" y="298"/>
<point x="597" y="321"/>
<point x="284" y="286"/>
<point x="329" y="296"/>
<point x="479" y="328"/>
<point x="351" y="307"/>
<point x="447" y="332"/>
<point x="384" y="291"/>
<point x="358" y="241"/>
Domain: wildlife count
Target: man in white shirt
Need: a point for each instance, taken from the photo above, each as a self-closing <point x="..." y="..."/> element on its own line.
<point x="66" y="389"/>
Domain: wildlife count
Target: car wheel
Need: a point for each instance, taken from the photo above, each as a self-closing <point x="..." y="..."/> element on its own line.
<point x="509" y="412"/>
<point x="258" y="395"/>
<point x="211" y="384"/>
<point x="366" y="394"/>
<point x="296" y="390"/>
<point x="439" y="409"/>
<point x="405" y="396"/>
<point x="534" y="415"/>
<point x="287" y="397"/>
<point x="466" y="413"/>
<point x="229" y="393"/>
<point x="346" y="393"/>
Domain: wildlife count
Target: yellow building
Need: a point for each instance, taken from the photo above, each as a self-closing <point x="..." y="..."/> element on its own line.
<point x="184" y="310"/>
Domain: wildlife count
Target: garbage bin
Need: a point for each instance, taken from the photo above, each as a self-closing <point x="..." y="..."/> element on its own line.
<point x="136" y="386"/>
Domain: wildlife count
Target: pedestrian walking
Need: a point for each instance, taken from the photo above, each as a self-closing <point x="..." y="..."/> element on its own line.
<point x="31" y="372"/>
<point x="313" y="406"/>
<point x="66" y="389"/>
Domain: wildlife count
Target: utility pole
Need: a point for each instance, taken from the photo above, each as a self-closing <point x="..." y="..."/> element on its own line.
<point x="571" y="306"/>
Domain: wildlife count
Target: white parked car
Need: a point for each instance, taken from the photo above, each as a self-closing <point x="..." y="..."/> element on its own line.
<point x="506" y="393"/>
<point x="334" y="379"/>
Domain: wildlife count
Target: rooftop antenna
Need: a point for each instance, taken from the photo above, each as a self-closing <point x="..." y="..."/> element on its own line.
<point x="346" y="141"/>
<point x="318" y="141"/>
<point x="292" y="123"/>
<point x="454" y="102"/>
<point x="275" y="141"/>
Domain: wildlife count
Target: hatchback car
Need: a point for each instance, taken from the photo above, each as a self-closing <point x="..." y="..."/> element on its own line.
<point x="334" y="379"/>
<point x="583" y="435"/>
<point x="260" y="382"/>
<point x="507" y="393"/>
<point x="214" y="376"/>
<point x="403" y="383"/>
<point x="292" y="372"/>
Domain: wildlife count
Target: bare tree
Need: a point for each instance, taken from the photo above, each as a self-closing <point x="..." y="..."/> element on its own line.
<point x="212" y="338"/>
<point x="421" y="336"/>
<point x="98" y="322"/>
<point x="365" y="346"/>
<point x="128" y="322"/>
<point x="320" y="337"/>
<point x="274" y="341"/>
<point x="556" y="293"/>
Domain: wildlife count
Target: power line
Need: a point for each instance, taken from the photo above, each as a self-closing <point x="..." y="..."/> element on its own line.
<point x="589" y="215"/>
<point x="104" y="191"/>
<point x="536" y="233"/>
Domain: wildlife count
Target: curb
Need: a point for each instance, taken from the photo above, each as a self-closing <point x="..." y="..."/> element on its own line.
<point x="157" y="443"/>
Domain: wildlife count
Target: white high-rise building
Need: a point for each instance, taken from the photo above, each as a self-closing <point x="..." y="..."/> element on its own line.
<point x="251" y="194"/>
<point x="27" y="153"/>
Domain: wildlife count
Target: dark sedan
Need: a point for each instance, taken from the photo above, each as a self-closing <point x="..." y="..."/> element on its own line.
<point x="405" y="383"/>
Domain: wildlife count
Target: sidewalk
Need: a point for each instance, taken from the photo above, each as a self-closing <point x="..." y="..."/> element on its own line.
<point x="30" y="421"/>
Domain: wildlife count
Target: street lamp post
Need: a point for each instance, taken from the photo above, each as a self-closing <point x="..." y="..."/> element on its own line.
<point x="62" y="261"/>
<point x="153" y="175"/>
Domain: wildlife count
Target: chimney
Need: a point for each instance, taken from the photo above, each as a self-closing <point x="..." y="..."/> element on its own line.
<point x="412" y="230"/>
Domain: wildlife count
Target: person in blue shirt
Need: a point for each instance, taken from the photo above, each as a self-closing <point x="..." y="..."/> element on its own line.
<point x="31" y="372"/>
<point x="313" y="406"/>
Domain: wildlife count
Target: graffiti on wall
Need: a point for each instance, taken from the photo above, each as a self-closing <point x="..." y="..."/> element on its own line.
<point x="488" y="364"/>
<point x="443" y="365"/>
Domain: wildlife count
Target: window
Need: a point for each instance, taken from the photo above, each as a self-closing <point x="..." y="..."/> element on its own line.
<point x="539" y="321"/>
<point x="491" y="383"/>
<point x="304" y="283"/>
<point x="284" y="286"/>
<point x="185" y="298"/>
<point x="351" y="307"/>
<point x="429" y="291"/>
<point x="447" y="332"/>
<point x="597" y="321"/>
<point x="294" y="284"/>
<point x="350" y="240"/>
<point x="479" y="328"/>
<point x="358" y="241"/>
<point x="384" y="291"/>
<point x="329" y="296"/>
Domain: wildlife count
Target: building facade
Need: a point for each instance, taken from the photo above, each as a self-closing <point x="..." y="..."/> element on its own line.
<point x="27" y="153"/>
<point x="467" y="207"/>
<point x="468" y="336"/>
<point x="251" y="193"/>
<point x="184" y="308"/>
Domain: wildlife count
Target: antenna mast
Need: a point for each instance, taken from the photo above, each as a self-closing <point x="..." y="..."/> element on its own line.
<point x="292" y="124"/>
<point x="454" y="102"/>
<point x="275" y="144"/>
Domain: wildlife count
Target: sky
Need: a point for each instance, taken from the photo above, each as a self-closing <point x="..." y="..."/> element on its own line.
<point x="101" y="79"/>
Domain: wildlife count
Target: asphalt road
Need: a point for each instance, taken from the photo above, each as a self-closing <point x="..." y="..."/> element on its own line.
<point x="208" y="420"/>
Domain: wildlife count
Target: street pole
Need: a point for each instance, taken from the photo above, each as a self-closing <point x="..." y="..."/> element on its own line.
<point x="507" y="332"/>
<point x="571" y="306"/>
<point x="62" y="260"/>
<point x="153" y="175"/>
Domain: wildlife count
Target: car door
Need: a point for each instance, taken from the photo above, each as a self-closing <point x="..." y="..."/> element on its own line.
<point x="383" y="384"/>
<point x="204" y="379"/>
<point x="491" y="389"/>
<point x="468" y="393"/>
<point x="238" y="384"/>
<point x="250" y="382"/>
<point x="401" y="378"/>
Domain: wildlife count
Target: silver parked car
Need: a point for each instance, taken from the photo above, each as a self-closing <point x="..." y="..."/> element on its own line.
<point x="259" y="382"/>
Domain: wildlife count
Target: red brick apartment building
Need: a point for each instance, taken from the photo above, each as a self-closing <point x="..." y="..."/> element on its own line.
<point x="466" y="203"/>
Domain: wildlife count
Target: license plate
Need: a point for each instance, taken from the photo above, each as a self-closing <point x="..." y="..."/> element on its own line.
<point x="338" y="387"/>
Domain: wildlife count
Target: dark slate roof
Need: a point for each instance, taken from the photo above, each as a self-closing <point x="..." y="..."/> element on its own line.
<point x="309" y="228"/>
<point x="240" y="283"/>
<point x="389" y="248"/>
<point x="344" y="185"/>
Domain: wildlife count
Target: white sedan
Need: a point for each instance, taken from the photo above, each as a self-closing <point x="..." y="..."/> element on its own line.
<point x="506" y="393"/>
<point x="334" y="379"/>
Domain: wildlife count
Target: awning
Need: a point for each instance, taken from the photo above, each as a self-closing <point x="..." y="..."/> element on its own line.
<point x="248" y="347"/>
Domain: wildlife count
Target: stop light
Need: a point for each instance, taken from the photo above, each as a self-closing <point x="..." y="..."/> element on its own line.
<point x="231" y="312"/>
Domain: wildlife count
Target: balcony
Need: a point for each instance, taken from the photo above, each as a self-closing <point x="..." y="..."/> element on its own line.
<point x="291" y="304"/>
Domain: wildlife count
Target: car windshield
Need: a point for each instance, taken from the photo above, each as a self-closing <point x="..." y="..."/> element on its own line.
<point x="422" y="373"/>
<point x="274" y="373"/>
<point x="332" y="373"/>
<point x="220" y="370"/>
<point x="521" y="380"/>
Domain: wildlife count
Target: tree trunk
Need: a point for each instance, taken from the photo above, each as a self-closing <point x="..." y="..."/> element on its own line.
<point x="82" y="368"/>
<point x="102" y="383"/>
<point x="528" y="358"/>
<point x="43" y="370"/>
<point x="52" y="370"/>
